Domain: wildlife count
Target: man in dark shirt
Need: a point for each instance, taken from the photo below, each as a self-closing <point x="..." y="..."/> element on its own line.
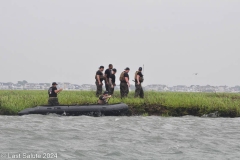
<point x="52" y="92"/>
<point x="103" y="99"/>
<point x="111" y="81"/>
<point x="138" y="83"/>
<point x="107" y="76"/>
<point x="124" y="83"/>
<point x="99" y="78"/>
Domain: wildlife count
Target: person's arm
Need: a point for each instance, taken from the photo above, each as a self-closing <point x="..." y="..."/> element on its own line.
<point x="127" y="80"/>
<point x="106" y="97"/>
<point x="58" y="90"/>
<point x="106" y="77"/>
<point x="138" y="79"/>
<point x="98" y="78"/>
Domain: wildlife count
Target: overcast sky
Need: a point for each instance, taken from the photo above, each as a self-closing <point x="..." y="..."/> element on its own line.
<point x="67" y="40"/>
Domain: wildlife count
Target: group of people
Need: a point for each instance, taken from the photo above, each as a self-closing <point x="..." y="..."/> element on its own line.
<point x="108" y="77"/>
<point x="110" y="82"/>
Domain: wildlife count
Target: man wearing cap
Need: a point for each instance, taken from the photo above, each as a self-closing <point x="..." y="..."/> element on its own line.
<point x="52" y="92"/>
<point x="138" y="83"/>
<point x="99" y="78"/>
<point x="103" y="99"/>
<point x="107" y="74"/>
<point x="124" y="83"/>
<point x="111" y="81"/>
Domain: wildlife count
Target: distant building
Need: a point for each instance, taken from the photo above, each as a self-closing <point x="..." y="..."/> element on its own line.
<point x="91" y="87"/>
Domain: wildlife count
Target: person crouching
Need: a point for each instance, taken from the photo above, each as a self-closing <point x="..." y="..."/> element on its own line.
<point x="103" y="99"/>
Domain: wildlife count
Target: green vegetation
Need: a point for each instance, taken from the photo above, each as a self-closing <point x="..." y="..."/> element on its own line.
<point x="154" y="103"/>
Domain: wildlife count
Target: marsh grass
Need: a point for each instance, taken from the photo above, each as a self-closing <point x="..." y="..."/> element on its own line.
<point x="154" y="103"/>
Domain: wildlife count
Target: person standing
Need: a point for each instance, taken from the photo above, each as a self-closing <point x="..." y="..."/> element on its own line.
<point x="99" y="78"/>
<point x="107" y="76"/>
<point x="138" y="83"/>
<point x="111" y="81"/>
<point x="124" y="83"/>
<point x="52" y="92"/>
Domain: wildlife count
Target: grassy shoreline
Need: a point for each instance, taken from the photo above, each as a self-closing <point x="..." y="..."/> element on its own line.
<point x="154" y="103"/>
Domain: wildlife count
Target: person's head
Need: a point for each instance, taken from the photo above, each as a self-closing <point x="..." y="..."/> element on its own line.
<point x="101" y="68"/>
<point x="114" y="71"/>
<point x="127" y="69"/>
<point x="105" y="93"/>
<point x="110" y="66"/>
<point x="140" y="69"/>
<point x="54" y="84"/>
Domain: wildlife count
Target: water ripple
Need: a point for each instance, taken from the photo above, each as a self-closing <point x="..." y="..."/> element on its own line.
<point x="134" y="137"/>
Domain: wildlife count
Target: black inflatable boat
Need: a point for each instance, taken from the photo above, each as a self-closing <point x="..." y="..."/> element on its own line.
<point x="71" y="110"/>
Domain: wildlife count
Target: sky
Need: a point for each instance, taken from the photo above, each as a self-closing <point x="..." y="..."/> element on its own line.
<point x="67" y="40"/>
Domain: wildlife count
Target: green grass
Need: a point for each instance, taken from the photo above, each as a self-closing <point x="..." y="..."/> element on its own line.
<point x="154" y="103"/>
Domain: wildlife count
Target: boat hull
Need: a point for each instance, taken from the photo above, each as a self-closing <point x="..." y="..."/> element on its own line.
<point x="77" y="110"/>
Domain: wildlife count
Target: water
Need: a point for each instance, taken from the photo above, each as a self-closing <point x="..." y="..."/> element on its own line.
<point x="128" y="138"/>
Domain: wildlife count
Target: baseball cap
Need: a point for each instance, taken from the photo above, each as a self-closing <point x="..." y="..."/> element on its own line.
<point x="106" y="92"/>
<point x="54" y="83"/>
<point x="127" y="68"/>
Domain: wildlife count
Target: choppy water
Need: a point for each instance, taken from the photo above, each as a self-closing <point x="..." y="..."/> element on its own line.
<point x="119" y="137"/>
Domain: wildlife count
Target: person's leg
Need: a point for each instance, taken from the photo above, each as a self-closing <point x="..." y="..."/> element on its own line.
<point x="56" y="101"/>
<point x="141" y="92"/>
<point x="137" y="90"/>
<point x="99" y="89"/>
<point x="96" y="89"/>
<point x="107" y="87"/>
<point x="125" y="90"/>
<point x="121" y="90"/>
<point x="50" y="102"/>
<point x="53" y="101"/>
<point x="110" y="90"/>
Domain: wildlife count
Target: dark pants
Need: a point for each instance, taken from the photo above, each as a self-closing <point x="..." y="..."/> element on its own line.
<point x="53" y="101"/>
<point x="139" y="90"/>
<point x="111" y="90"/>
<point x="107" y="87"/>
<point x="124" y="89"/>
<point x="99" y="89"/>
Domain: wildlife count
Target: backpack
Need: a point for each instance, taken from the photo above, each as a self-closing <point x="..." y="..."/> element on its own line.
<point x="101" y="77"/>
<point x="121" y="78"/>
<point x="140" y="78"/>
<point x="50" y="90"/>
<point x="135" y="77"/>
